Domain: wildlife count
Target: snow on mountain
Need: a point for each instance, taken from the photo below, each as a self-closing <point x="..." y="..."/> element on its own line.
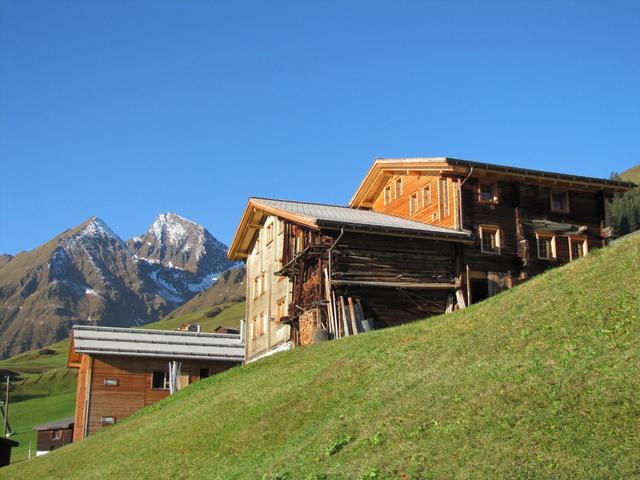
<point x="180" y="244"/>
<point x="89" y="275"/>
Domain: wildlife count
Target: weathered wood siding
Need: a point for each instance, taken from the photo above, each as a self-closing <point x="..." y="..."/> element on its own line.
<point x="266" y="258"/>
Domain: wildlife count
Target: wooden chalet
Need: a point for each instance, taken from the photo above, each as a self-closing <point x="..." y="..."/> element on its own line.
<point x="421" y="236"/>
<point x="351" y="269"/>
<point x="122" y="370"/>
<point x="53" y="435"/>
<point x="523" y="221"/>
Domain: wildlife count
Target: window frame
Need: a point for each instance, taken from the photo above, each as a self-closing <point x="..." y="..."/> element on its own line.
<point x="443" y="198"/>
<point x="566" y="208"/>
<point x="269" y="229"/>
<point x="494" y="192"/>
<point x="262" y="327"/>
<point x="254" y="327"/>
<point x="413" y="203"/>
<point x="110" y="382"/>
<point x="386" y="195"/>
<point x="554" y="249"/>
<point x="56" y="434"/>
<point x="577" y="239"/>
<point x="107" y="420"/>
<point x="165" y="380"/>
<point x="259" y="287"/>
<point x="429" y="196"/>
<point x="397" y="187"/>
<point x="281" y="308"/>
<point x="498" y="238"/>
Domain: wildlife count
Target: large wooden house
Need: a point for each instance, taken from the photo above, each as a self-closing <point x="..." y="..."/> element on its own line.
<point x="522" y="221"/>
<point x="122" y="370"/>
<point x="420" y="237"/>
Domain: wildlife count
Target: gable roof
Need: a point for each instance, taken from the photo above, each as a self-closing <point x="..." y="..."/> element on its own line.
<point x="168" y="344"/>
<point x="320" y="215"/>
<point x="382" y="168"/>
<point x="56" y="424"/>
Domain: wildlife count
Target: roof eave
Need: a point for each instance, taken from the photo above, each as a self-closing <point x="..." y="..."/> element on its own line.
<point x="217" y="358"/>
<point x="247" y="227"/>
<point x="462" y="236"/>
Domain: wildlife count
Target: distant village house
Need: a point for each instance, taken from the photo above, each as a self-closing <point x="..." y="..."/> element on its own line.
<point x="53" y="435"/>
<point x="122" y="370"/>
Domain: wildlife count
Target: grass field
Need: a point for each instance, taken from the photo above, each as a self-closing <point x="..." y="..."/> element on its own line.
<point x="46" y="389"/>
<point x="229" y="317"/>
<point x="541" y="381"/>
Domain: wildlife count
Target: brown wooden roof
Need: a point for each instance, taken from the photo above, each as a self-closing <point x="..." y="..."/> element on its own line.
<point x="382" y="168"/>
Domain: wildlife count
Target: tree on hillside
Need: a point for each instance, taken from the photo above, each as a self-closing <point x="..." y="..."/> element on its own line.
<point x="624" y="211"/>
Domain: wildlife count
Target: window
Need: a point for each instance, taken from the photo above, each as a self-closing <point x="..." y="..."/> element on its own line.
<point x="426" y="196"/>
<point x="269" y="229"/>
<point x="261" y="321"/>
<point x="254" y="327"/>
<point x="546" y="246"/>
<point x="578" y="247"/>
<point x="398" y="186"/>
<point x="387" y="195"/>
<point x="559" y="201"/>
<point x="443" y="197"/>
<point x="204" y="373"/>
<point x="107" y="420"/>
<point x="111" y="382"/>
<point x="160" y="380"/>
<point x="490" y="239"/>
<point x="488" y="192"/>
<point x="413" y="203"/>
<point x="281" y="309"/>
<point x="258" y="285"/>
<point x="280" y="227"/>
<point x="56" y="434"/>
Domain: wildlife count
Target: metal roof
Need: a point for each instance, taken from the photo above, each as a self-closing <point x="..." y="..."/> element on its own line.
<point x="336" y="216"/>
<point x="56" y="424"/>
<point x="169" y="344"/>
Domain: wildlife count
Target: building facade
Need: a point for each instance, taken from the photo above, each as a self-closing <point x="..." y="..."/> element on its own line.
<point x="53" y="435"/>
<point x="267" y="293"/>
<point x="122" y="370"/>
<point x="420" y="237"/>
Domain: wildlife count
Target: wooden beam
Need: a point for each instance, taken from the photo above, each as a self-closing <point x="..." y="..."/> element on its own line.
<point x="407" y="285"/>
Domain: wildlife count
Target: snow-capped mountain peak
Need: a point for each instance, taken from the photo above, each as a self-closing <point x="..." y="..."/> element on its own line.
<point x="96" y="227"/>
<point x="173" y="229"/>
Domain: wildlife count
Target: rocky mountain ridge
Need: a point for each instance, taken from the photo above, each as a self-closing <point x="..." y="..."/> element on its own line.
<point x="89" y="275"/>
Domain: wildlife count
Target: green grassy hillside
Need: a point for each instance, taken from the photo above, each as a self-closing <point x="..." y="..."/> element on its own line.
<point x="632" y="175"/>
<point x="541" y="381"/>
<point x="45" y="389"/>
<point x="229" y="316"/>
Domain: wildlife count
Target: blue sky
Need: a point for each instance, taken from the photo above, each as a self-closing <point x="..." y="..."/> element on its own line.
<point x="124" y="109"/>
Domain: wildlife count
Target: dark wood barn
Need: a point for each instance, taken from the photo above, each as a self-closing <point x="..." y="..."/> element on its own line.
<point x="53" y="435"/>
